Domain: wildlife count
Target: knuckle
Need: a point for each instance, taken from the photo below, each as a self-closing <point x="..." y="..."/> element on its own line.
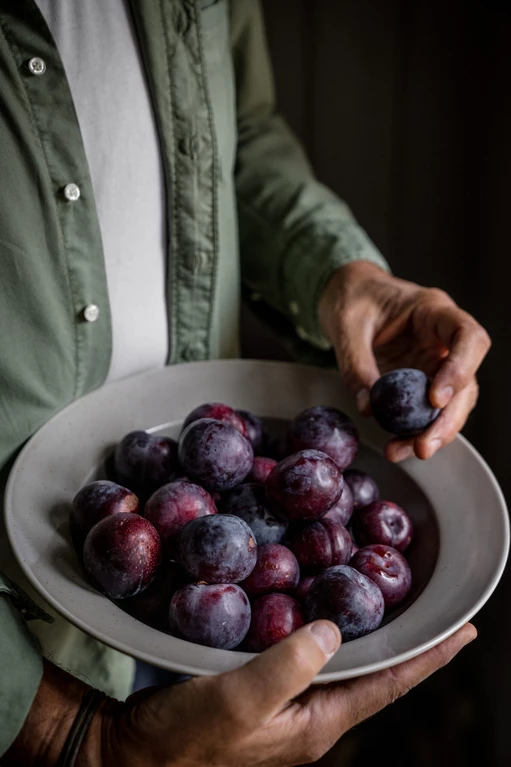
<point x="484" y="338"/>
<point x="437" y="295"/>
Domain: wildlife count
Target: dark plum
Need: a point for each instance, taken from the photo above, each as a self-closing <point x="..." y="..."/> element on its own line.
<point x="261" y="469"/>
<point x="144" y="462"/>
<point x="400" y="402"/>
<point x="215" y="615"/>
<point x="218" y="412"/>
<point x="351" y="600"/>
<point x="214" y="454"/>
<point x="151" y="606"/>
<point x="249" y="503"/>
<point x="387" y="568"/>
<point x="343" y="509"/>
<point x="354" y="548"/>
<point x="276" y="569"/>
<point x="304" y="485"/>
<point x="220" y="548"/>
<point x="121" y="555"/>
<point x="274" y="617"/>
<point x="172" y="506"/>
<point x="364" y="489"/>
<point x="326" y="429"/>
<point x="383" y="522"/>
<point x="96" y="501"/>
<point x="301" y="591"/>
<point x="321" y="544"/>
<point x="254" y="429"/>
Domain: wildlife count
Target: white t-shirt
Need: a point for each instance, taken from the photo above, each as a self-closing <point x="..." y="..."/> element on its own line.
<point x="97" y="43"/>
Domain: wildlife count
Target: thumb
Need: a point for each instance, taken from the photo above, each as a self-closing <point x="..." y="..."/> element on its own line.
<point x="266" y="684"/>
<point x="355" y="357"/>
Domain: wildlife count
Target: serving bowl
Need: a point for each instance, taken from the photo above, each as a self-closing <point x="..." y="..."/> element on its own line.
<point x="458" y="510"/>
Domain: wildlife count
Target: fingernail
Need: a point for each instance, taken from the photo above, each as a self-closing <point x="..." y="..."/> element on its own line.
<point x="363" y="400"/>
<point x="444" y="396"/>
<point x="435" y="445"/>
<point x="325" y="636"/>
<point x="403" y="453"/>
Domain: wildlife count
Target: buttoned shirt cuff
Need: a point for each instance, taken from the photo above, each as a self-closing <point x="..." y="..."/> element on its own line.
<point x="21" y="664"/>
<point x="308" y="267"/>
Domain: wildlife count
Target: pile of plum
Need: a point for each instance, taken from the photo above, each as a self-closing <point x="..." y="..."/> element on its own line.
<point x="227" y="539"/>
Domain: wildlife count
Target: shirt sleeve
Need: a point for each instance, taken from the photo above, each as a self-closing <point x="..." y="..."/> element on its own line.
<point x="294" y="232"/>
<point x="21" y="665"/>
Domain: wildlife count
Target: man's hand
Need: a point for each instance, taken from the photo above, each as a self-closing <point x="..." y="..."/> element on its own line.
<point x="263" y="714"/>
<point x="377" y="323"/>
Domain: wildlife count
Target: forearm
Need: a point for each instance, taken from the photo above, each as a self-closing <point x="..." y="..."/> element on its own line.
<point x="42" y="737"/>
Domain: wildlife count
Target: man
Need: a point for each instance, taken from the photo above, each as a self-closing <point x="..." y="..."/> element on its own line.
<point x="138" y="147"/>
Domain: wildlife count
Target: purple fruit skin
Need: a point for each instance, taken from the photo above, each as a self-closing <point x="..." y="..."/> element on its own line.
<point x="249" y="503"/>
<point x="383" y="522"/>
<point x="364" y="489"/>
<point x="218" y="412"/>
<point x="215" y="455"/>
<point x="343" y="509"/>
<point x="151" y="606"/>
<point x="144" y="462"/>
<point x="254" y="429"/>
<point x="304" y="486"/>
<point x="301" y="591"/>
<point x="351" y="600"/>
<point x="276" y="569"/>
<point x="96" y="501"/>
<point x="321" y="544"/>
<point x="220" y="548"/>
<point x="261" y="469"/>
<point x="215" y="615"/>
<point x="388" y="569"/>
<point x="121" y="555"/>
<point x="172" y="506"/>
<point x="274" y="617"/>
<point x="326" y="429"/>
<point x="400" y="402"/>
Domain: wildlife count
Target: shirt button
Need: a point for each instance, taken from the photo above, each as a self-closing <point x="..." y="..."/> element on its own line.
<point x="72" y="192"/>
<point x="191" y="353"/>
<point x="199" y="262"/>
<point x="91" y="313"/>
<point x="37" y="66"/>
<point x="302" y="333"/>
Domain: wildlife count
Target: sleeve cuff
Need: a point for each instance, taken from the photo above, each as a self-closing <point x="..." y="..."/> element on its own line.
<point x="310" y="264"/>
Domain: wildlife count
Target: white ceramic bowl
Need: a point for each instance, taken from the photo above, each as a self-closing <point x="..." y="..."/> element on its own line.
<point x="460" y="516"/>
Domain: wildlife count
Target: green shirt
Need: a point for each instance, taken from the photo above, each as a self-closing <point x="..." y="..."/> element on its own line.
<point x="243" y="208"/>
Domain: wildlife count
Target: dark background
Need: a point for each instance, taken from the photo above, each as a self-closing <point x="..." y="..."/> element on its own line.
<point x="405" y="110"/>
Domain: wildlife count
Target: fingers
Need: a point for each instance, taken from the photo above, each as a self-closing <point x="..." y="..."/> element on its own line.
<point x="443" y="431"/>
<point x="351" y="703"/>
<point x="468" y="344"/>
<point x="267" y="684"/>
<point x="355" y="357"/>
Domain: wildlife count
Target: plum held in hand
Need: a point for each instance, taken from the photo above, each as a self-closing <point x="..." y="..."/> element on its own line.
<point x="276" y="569"/>
<point x="400" y="402"/>
<point x="172" y="506"/>
<point x="254" y="429"/>
<point x="304" y="485"/>
<point x="121" y="555"/>
<point x="326" y="429"/>
<point x="151" y="606"/>
<point x="214" y="454"/>
<point x="364" y="489"/>
<point x="342" y="510"/>
<point x="218" y="412"/>
<point x="321" y="544"/>
<point x="274" y="617"/>
<point x="387" y="568"/>
<point x="96" y="501"/>
<point x="215" y="615"/>
<point x="261" y="469"/>
<point x="144" y="462"/>
<point x="348" y="598"/>
<point x="249" y="503"/>
<point x="217" y="549"/>
<point x="383" y="522"/>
